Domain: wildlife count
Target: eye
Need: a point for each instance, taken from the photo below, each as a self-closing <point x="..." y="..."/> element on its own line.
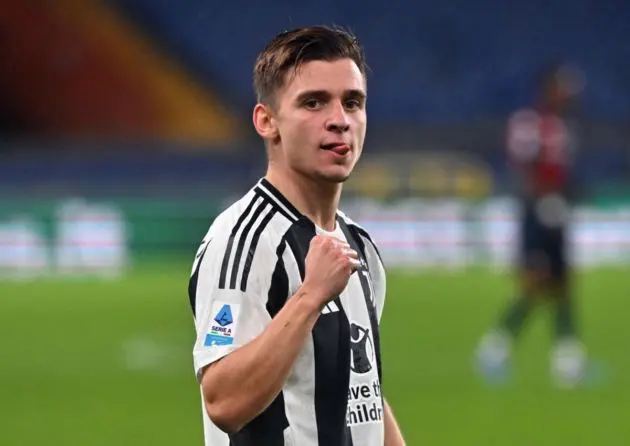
<point x="353" y="104"/>
<point x="312" y="104"/>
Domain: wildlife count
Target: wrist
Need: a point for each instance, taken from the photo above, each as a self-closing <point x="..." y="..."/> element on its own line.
<point x="311" y="298"/>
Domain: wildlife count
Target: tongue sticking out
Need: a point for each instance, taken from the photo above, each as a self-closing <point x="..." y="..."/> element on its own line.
<point x="339" y="149"/>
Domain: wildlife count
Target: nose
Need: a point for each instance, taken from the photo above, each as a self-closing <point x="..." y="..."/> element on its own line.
<point x="338" y="120"/>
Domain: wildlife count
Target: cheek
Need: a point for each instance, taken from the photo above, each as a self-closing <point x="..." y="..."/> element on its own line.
<point x="298" y="136"/>
<point x="361" y="123"/>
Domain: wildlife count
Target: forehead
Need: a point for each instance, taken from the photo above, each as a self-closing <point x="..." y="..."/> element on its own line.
<point x="335" y="76"/>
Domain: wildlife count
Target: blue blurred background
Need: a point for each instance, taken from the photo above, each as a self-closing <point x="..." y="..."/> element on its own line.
<point x="146" y="105"/>
<point x="125" y="127"/>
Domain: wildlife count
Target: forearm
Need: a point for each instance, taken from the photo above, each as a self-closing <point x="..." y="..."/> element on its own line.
<point x="240" y="386"/>
<point x="393" y="434"/>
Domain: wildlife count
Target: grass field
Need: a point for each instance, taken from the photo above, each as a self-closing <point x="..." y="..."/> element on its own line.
<point x="109" y="363"/>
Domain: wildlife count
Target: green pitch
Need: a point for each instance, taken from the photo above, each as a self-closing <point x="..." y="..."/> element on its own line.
<point x="109" y="363"/>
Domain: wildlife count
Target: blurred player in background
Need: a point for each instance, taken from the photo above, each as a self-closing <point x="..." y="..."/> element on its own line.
<point x="540" y="144"/>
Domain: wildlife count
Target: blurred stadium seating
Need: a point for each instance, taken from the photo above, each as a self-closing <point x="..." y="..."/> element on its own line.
<point x="432" y="61"/>
<point x="125" y="127"/>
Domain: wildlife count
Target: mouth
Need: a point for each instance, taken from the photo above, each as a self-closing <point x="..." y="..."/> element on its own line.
<point x="340" y="148"/>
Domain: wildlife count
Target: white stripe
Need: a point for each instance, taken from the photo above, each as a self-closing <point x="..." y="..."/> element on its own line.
<point x="292" y="270"/>
<point x="288" y="437"/>
<point x="299" y="397"/>
<point x="203" y="245"/>
<point x="278" y="202"/>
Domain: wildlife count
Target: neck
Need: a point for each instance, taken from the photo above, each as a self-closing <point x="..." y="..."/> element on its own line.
<point x="317" y="200"/>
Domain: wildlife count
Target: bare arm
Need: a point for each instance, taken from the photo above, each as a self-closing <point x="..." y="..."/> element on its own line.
<point x="241" y="385"/>
<point x="393" y="434"/>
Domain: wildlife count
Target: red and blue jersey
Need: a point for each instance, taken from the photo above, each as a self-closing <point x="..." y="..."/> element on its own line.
<point x="540" y="146"/>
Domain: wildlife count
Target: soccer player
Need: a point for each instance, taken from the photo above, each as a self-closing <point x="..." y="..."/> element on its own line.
<point x="540" y="146"/>
<point x="288" y="292"/>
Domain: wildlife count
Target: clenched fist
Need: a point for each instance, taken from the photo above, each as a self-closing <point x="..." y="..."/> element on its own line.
<point x="328" y="266"/>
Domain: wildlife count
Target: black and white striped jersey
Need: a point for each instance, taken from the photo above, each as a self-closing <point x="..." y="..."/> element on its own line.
<point x="249" y="263"/>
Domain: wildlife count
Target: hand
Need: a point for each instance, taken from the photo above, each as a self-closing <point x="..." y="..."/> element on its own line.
<point x="328" y="266"/>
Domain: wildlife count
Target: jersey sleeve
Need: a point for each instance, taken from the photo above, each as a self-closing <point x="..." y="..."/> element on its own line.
<point x="523" y="136"/>
<point x="230" y="300"/>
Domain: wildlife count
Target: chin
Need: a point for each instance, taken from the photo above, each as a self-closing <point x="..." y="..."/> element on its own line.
<point x="333" y="177"/>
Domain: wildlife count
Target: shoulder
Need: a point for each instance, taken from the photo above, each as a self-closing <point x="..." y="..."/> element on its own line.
<point x="361" y="232"/>
<point x="251" y="227"/>
<point x="233" y="217"/>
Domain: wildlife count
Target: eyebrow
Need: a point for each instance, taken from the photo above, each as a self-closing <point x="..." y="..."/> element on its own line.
<point x="354" y="93"/>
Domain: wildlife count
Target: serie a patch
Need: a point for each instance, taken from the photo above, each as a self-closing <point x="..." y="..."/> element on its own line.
<point x="222" y="325"/>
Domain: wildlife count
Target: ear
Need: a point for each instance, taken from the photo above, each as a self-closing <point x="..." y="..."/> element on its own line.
<point x="264" y="122"/>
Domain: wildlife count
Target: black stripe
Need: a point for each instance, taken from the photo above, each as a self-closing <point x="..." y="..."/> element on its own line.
<point x="353" y="236"/>
<point x="279" y="288"/>
<point x="266" y="429"/>
<point x="331" y="348"/>
<point x="241" y="242"/>
<point x="228" y="249"/>
<point x="299" y="252"/>
<point x="281" y="198"/>
<point x="252" y="248"/>
<point x="192" y="283"/>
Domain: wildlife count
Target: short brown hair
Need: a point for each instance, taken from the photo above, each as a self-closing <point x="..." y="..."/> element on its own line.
<point x="290" y="49"/>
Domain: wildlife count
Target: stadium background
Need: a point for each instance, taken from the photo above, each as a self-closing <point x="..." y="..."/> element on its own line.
<point x="125" y="128"/>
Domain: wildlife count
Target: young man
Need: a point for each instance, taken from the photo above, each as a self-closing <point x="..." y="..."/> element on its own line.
<point x="286" y="290"/>
<point x="540" y="143"/>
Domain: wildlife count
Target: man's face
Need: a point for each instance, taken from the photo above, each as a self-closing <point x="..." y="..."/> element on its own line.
<point x="321" y="120"/>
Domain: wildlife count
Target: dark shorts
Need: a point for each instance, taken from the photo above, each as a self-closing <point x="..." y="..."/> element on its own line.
<point x="542" y="248"/>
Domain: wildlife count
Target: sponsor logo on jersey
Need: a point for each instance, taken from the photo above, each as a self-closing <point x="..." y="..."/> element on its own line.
<point x="365" y="404"/>
<point x="331" y="307"/>
<point x="362" y="353"/>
